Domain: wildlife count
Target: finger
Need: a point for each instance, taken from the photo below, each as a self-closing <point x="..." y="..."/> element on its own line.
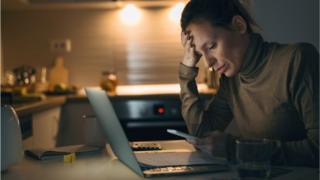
<point x="191" y="38"/>
<point x="184" y="39"/>
<point x="192" y="45"/>
<point x="188" y="33"/>
<point x="188" y="44"/>
<point x="184" y="34"/>
<point x="197" y="54"/>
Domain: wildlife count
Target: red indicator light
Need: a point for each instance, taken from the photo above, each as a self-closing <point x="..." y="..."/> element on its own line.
<point x="160" y="110"/>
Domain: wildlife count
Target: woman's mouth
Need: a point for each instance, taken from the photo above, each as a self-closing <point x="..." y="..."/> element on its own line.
<point x="222" y="69"/>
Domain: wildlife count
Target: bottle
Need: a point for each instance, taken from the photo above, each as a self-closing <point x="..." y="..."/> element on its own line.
<point x="42" y="84"/>
<point x="58" y="75"/>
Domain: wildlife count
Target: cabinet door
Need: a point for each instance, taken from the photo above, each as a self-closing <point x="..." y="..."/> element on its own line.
<point x="45" y="126"/>
<point x="77" y="129"/>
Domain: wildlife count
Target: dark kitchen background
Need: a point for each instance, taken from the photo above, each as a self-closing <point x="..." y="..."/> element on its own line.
<point x="147" y="51"/>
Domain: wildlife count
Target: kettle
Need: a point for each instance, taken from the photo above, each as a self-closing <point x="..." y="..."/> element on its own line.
<point x="11" y="139"/>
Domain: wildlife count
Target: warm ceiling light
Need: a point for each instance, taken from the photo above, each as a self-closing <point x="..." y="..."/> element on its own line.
<point x="175" y="12"/>
<point x="130" y="14"/>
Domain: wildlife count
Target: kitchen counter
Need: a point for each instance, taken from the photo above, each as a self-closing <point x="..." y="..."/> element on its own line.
<point x="154" y="89"/>
<point x="150" y="91"/>
<point x="122" y="92"/>
<point x="30" y="108"/>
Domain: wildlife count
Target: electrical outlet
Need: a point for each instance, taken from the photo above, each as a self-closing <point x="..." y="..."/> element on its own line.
<point x="60" y="45"/>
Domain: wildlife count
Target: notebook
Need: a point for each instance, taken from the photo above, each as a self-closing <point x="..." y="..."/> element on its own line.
<point x="59" y="152"/>
<point x="148" y="163"/>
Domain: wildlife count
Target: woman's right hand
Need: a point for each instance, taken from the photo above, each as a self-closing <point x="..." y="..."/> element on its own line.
<point x="191" y="57"/>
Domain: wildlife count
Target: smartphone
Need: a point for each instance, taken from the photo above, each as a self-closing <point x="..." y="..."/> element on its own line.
<point x="188" y="137"/>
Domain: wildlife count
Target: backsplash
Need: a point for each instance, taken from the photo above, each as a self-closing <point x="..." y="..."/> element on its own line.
<point x="145" y="53"/>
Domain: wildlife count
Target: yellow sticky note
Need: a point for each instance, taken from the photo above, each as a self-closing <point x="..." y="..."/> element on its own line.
<point x="69" y="158"/>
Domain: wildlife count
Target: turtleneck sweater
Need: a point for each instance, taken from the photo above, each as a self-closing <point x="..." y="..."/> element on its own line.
<point x="275" y="95"/>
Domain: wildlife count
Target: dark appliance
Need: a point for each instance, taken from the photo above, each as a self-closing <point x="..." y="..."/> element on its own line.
<point x="147" y="117"/>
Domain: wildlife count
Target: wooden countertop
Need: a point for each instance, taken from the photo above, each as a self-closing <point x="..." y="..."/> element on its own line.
<point x="154" y="89"/>
<point x="150" y="91"/>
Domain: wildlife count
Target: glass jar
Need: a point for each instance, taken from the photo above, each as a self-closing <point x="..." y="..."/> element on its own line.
<point x="109" y="81"/>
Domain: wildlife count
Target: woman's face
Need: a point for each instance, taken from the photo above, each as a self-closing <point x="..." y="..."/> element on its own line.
<point x="222" y="49"/>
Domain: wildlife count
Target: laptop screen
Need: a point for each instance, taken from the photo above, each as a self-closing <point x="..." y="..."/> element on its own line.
<point x="112" y="128"/>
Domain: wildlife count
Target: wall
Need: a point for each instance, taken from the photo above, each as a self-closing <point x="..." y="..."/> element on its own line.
<point x="288" y="21"/>
<point x="146" y="53"/>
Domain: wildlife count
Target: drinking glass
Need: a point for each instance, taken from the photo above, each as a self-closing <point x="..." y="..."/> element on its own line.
<point x="253" y="158"/>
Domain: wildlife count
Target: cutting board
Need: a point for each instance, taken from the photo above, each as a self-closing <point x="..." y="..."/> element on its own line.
<point x="58" y="74"/>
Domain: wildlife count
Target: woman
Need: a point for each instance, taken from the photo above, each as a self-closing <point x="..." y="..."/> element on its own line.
<point x="270" y="90"/>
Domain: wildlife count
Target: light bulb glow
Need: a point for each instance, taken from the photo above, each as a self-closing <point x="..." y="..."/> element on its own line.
<point x="175" y="12"/>
<point x="130" y="14"/>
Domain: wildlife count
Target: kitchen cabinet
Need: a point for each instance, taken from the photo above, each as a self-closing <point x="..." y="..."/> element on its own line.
<point x="39" y="121"/>
<point x="45" y="125"/>
<point x="77" y="129"/>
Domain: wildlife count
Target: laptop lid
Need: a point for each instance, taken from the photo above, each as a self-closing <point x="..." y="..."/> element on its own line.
<point x="112" y="128"/>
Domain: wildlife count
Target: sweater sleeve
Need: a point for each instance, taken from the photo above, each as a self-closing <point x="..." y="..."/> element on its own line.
<point x="199" y="116"/>
<point x="304" y="95"/>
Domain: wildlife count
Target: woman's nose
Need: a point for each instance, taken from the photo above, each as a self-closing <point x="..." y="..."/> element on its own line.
<point x="210" y="61"/>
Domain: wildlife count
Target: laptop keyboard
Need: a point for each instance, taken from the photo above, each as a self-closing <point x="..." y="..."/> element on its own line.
<point x="145" y="146"/>
<point x="184" y="169"/>
<point x="170" y="169"/>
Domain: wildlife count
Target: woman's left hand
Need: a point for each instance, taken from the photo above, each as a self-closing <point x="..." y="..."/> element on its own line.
<point x="213" y="143"/>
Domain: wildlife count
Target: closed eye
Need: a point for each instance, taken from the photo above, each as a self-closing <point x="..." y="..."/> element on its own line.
<point x="213" y="46"/>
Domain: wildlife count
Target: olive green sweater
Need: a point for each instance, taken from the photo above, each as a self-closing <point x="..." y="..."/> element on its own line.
<point x="275" y="95"/>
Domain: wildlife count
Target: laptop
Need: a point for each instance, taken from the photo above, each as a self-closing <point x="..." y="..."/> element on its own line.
<point x="148" y="163"/>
